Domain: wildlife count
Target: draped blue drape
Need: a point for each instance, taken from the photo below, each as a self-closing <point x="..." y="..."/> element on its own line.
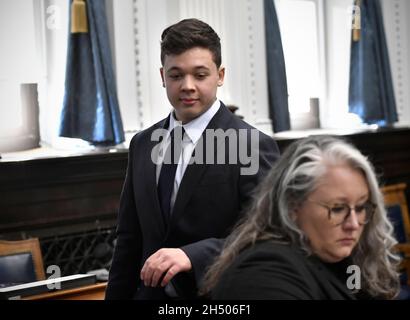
<point x="277" y="83"/>
<point x="90" y="107"/>
<point x="371" y="94"/>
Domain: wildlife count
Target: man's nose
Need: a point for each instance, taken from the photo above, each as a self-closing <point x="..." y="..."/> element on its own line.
<point x="188" y="84"/>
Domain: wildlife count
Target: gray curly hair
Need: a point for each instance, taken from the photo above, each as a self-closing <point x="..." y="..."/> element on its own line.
<point x="287" y="186"/>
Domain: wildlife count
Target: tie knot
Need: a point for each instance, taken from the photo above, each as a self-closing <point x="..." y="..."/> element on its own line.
<point x="177" y="132"/>
<point x="177" y="136"/>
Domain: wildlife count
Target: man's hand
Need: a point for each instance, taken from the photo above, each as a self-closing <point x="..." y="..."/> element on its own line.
<point x="166" y="263"/>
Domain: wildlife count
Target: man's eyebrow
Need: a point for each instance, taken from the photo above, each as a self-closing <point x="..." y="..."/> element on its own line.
<point x="202" y="67"/>
<point x="180" y="69"/>
<point x="173" y="69"/>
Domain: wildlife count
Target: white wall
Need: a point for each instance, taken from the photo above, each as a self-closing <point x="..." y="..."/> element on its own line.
<point x="337" y="43"/>
<point x="138" y="26"/>
<point x="19" y="64"/>
<point x="33" y="35"/>
<point x="18" y="55"/>
<point x="55" y="25"/>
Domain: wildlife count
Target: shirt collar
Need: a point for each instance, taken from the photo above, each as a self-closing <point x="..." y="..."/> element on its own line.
<point x="196" y="127"/>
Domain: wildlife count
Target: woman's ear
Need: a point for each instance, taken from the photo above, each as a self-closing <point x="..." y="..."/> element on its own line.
<point x="294" y="214"/>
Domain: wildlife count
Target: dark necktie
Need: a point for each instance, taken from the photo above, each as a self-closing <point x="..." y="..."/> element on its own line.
<point x="168" y="170"/>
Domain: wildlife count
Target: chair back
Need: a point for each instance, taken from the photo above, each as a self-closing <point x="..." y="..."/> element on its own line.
<point x="398" y="213"/>
<point x="20" y="262"/>
<point x="397" y="209"/>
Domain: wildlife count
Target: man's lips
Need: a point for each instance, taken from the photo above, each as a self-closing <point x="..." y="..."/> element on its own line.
<point x="188" y="100"/>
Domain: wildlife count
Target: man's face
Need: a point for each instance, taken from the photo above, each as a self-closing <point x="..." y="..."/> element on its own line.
<point x="191" y="80"/>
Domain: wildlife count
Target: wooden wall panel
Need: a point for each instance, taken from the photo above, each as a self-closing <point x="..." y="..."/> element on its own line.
<point x="43" y="193"/>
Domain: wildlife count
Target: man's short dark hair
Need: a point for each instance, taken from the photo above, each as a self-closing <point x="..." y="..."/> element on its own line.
<point x="188" y="34"/>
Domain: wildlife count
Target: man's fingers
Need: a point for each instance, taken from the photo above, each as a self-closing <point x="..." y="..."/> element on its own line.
<point x="159" y="272"/>
<point x="148" y="269"/>
<point x="144" y="270"/>
<point x="163" y="265"/>
<point x="169" y="275"/>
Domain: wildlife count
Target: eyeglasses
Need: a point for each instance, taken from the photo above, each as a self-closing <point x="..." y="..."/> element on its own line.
<point x="338" y="213"/>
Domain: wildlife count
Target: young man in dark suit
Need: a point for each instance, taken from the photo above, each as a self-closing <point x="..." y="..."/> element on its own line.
<point x="174" y="214"/>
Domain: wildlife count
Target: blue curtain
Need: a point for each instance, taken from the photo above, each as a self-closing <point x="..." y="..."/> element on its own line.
<point x="90" y="107"/>
<point x="371" y="94"/>
<point x="277" y="83"/>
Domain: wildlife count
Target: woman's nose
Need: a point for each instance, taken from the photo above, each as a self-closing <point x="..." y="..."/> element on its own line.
<point x="352" y="221"/>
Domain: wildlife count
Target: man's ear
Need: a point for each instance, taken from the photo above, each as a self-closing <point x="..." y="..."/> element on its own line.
<point x="221" y="76"/>
<point x="161" y="71"/>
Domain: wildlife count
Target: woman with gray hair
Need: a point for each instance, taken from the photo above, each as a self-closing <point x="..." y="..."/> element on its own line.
<point x="317" y="229"/>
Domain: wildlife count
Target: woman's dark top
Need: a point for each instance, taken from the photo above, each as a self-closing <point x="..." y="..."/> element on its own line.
<point x="270" y="270"/>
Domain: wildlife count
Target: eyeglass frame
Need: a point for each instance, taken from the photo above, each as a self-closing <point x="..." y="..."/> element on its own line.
<point x="329" y="208"/>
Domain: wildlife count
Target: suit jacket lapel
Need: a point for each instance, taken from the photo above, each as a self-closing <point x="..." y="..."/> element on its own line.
<point x="150" y="168"/>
